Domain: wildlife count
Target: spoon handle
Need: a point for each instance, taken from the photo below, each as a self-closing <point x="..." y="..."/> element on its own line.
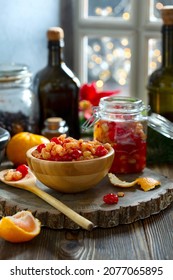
<point x="78" y="219"/>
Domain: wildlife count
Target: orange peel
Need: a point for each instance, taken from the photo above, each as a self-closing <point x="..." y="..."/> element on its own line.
<point x="21" y="227"/>
<point x="146" y="183"/>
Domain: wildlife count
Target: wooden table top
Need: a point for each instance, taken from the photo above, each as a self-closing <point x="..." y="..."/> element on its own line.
<point x="150" y="238"/>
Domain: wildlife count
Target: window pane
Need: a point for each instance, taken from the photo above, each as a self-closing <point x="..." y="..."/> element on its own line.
<point x="156" y="6"/>
<point x="111" y="8"/>
<point x="154" y="59"/>
<point x="109" y="62"/>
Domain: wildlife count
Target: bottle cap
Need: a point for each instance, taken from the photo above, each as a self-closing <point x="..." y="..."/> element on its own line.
<point x="55" y="33"/>
<point x="167" y="15"/>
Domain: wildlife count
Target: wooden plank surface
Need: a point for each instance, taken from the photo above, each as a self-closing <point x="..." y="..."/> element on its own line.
<point x="150" y="238"/>
<point x="135" y="205"/>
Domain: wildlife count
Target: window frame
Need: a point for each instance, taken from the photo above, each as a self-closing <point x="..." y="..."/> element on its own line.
<point x="139" y="28"/>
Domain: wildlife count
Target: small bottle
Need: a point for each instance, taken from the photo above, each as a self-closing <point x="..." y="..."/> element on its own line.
<point x="160" y="84"/>
<point x="122" y="122"/>
<point x="54" y="127"/>
<point x="57" y="86"/>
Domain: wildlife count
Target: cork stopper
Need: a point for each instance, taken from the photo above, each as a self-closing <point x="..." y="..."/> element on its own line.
<point x="55" y="33"/>
<point x="54" y="123"/>
<point x="167" y="15"/>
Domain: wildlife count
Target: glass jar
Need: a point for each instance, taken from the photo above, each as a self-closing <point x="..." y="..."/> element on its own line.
<point x="54" y="127"/>
<point x="122" y="122"/>
<point x="18" y="103"/>
<point x="159" y="140"/>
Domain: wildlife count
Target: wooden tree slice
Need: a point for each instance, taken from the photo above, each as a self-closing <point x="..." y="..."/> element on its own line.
<point x="135" y="205"/>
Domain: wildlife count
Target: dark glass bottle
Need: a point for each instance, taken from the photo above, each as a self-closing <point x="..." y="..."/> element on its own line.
<point x="160" y="94"/>
<point x="160" y="84"/>
<point x="57" y="86"/>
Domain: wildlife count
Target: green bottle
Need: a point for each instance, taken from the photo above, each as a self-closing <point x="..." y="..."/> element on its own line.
<point x="160" y="95"/>
<point x="160" y="84"/>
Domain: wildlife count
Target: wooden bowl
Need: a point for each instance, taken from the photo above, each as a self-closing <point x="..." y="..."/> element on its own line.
<point x="72" y="176"/>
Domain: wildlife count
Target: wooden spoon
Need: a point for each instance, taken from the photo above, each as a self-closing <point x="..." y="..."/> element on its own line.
<point x="28" y="183"/>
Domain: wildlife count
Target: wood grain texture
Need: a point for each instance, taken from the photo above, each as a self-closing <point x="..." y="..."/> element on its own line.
<point x="73" y="245"/>
<point x="147" y="239"/>
<point x="142" y="240"/>
<point x="135" y="205"/>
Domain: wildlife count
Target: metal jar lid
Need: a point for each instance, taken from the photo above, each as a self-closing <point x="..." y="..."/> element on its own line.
<point x="10" y="73"/>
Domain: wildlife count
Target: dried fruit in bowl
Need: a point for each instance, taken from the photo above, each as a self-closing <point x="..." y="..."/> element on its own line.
<point x="64" y="148"/>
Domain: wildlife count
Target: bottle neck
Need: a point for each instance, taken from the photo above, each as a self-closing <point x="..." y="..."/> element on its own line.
<point x="55" y="54"/>
<point x="167" y="45"/>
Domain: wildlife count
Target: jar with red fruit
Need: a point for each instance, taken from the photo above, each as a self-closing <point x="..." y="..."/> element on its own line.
<point x="122" y="122"/>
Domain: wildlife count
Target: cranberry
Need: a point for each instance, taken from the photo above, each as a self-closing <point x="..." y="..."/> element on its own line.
<point x="76" y="153"/>
<point x="40" y="147"/>
<point x="23" y="169"/>
<point x="56" y="140"/>
<point x="120" y="131"/>
<point x="110" y="198"/>
<point x="112" y="131"/>
<point x="66" y="157"/>
<point x="101" y="151"/>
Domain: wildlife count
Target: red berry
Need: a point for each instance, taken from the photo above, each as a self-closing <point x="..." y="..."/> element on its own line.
<point x="40" y="147"/>
<point x="66" y="157"/>
<point x="22" y="169"/>
<point x="76" y="153"/>
<point x="56" y="140"/>
<point x="110" y="198"/>
<point x="122" y="131"/>
<point x="101" y="151"/>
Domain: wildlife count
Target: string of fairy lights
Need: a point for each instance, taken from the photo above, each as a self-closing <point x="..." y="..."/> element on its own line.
<point x="109" y="59"/>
